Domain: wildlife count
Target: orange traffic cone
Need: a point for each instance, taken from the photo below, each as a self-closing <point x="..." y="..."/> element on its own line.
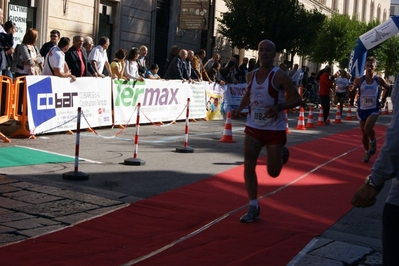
<point x="227" y="132"/>
<point x="309" y="123"/>
<point x="320" y="119"/>
<point x="287" y="130"/>
<point x="301" y="120"/>
<point x="349" y="113"/>
<point x="386" y="111"/>
<point x="338" y="115"/>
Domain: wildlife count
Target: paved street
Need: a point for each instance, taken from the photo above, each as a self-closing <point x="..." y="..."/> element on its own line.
<point x="35" y="200"/>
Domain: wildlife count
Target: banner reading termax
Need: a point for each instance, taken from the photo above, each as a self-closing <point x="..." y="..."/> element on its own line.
<point x="159" y="100"/>
<point x="370" y="39"/>
<point x="53" y="103"/>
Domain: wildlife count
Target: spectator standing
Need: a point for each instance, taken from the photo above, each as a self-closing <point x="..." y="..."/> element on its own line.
<point x="54" y="39"/>
<point x="297" y="77"/>
<point x="325" y="84"/>
<point x="143" y="50"/>
<point x="214" y="74"/>
<point x="368" y="105"/>
<point x="198" y="65"/>
<point x="251" y="64"/>
<point x="7" y="48"/>
<point x="321" y="72"/>
<point x="228" y="73"/>
<point x="88" y="45"/>
<point x="312" y="79"/>
<point x="54" y="62"/>
<point x="386" y="168"/>
<point x="303" y="80"/>
<point x="243" y="70"/>
<point x="284" y="67"/>
<point x="266" y="124"/>
<point x="1" y="21"/>
<point x="76" y="59"/>
<point x="174" y="51"/>
<point x="118" y="64"/>
<point x="132" y="65"/>
<point x="209" y="64"/>
<point x="235" y="60"/>
<point x="178" y="67"/>
<point x="305" y="76"/>
<point x="191" y="73"/>
<point x="293" y="70"/>
<point x="98" y="57"/>
<point x="313" y="87"/>
<point x="29" y="61"/>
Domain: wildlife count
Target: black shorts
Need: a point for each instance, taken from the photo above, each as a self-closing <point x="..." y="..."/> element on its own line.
<point x="340" y="94"/>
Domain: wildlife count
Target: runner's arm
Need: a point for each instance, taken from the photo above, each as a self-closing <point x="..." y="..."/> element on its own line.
<point x="283" y="81"/>
<point x="385" y="89"/>
<point x="245" y="100"/>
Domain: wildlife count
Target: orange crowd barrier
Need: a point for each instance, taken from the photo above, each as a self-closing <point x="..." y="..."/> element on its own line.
<point x="6" y="92"/>
<point x="20" y="110"/>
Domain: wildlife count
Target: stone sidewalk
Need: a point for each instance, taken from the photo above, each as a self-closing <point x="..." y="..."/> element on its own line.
<point x="329" y="252"/>
<point x="28" y="210"/>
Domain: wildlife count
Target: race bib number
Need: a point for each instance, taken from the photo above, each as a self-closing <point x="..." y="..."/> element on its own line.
<point x="259" y="118"/>
<point x="367" y="102"/>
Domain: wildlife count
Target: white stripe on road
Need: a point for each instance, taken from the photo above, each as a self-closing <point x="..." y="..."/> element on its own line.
<point x="167" y="139"/>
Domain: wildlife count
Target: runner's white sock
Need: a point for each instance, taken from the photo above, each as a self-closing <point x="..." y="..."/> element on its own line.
<point x="254" y="202"/>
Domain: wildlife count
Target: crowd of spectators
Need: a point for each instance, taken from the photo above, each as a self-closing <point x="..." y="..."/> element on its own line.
<point x="81" y="58"/>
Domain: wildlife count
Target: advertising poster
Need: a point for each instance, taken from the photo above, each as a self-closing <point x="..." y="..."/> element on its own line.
<point x="53" y="103"/>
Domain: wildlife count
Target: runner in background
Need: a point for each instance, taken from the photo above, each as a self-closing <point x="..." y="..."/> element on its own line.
<point x="368" y="105"/>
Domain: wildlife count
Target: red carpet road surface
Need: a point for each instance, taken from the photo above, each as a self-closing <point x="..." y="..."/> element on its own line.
<point x="199" y="224"/>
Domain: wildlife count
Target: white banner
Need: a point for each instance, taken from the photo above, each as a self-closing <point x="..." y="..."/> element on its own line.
<point x="197" y="100"/>
<point x="53" y="103"/>
<point x="160" y="100"/>
<point x="222" y="99"/>
<point x="18" y="15"/>
<point x="234" y="95"/>
<point x="379" y="34"/>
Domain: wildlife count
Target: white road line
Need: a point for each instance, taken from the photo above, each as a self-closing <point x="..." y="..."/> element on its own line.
<point x="208" y="225"/>
<point x="80" y="158"/>
<point x="166" y="139"/>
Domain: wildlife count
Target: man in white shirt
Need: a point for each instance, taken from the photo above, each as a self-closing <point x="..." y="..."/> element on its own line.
<point x="54" y="63"/>
<point x="99" y="59"/>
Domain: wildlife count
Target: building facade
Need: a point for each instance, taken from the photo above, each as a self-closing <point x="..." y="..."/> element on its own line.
<point x="157" y="24"/>
<point x="362" y="10"/>
<point x="394" y="11"/>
